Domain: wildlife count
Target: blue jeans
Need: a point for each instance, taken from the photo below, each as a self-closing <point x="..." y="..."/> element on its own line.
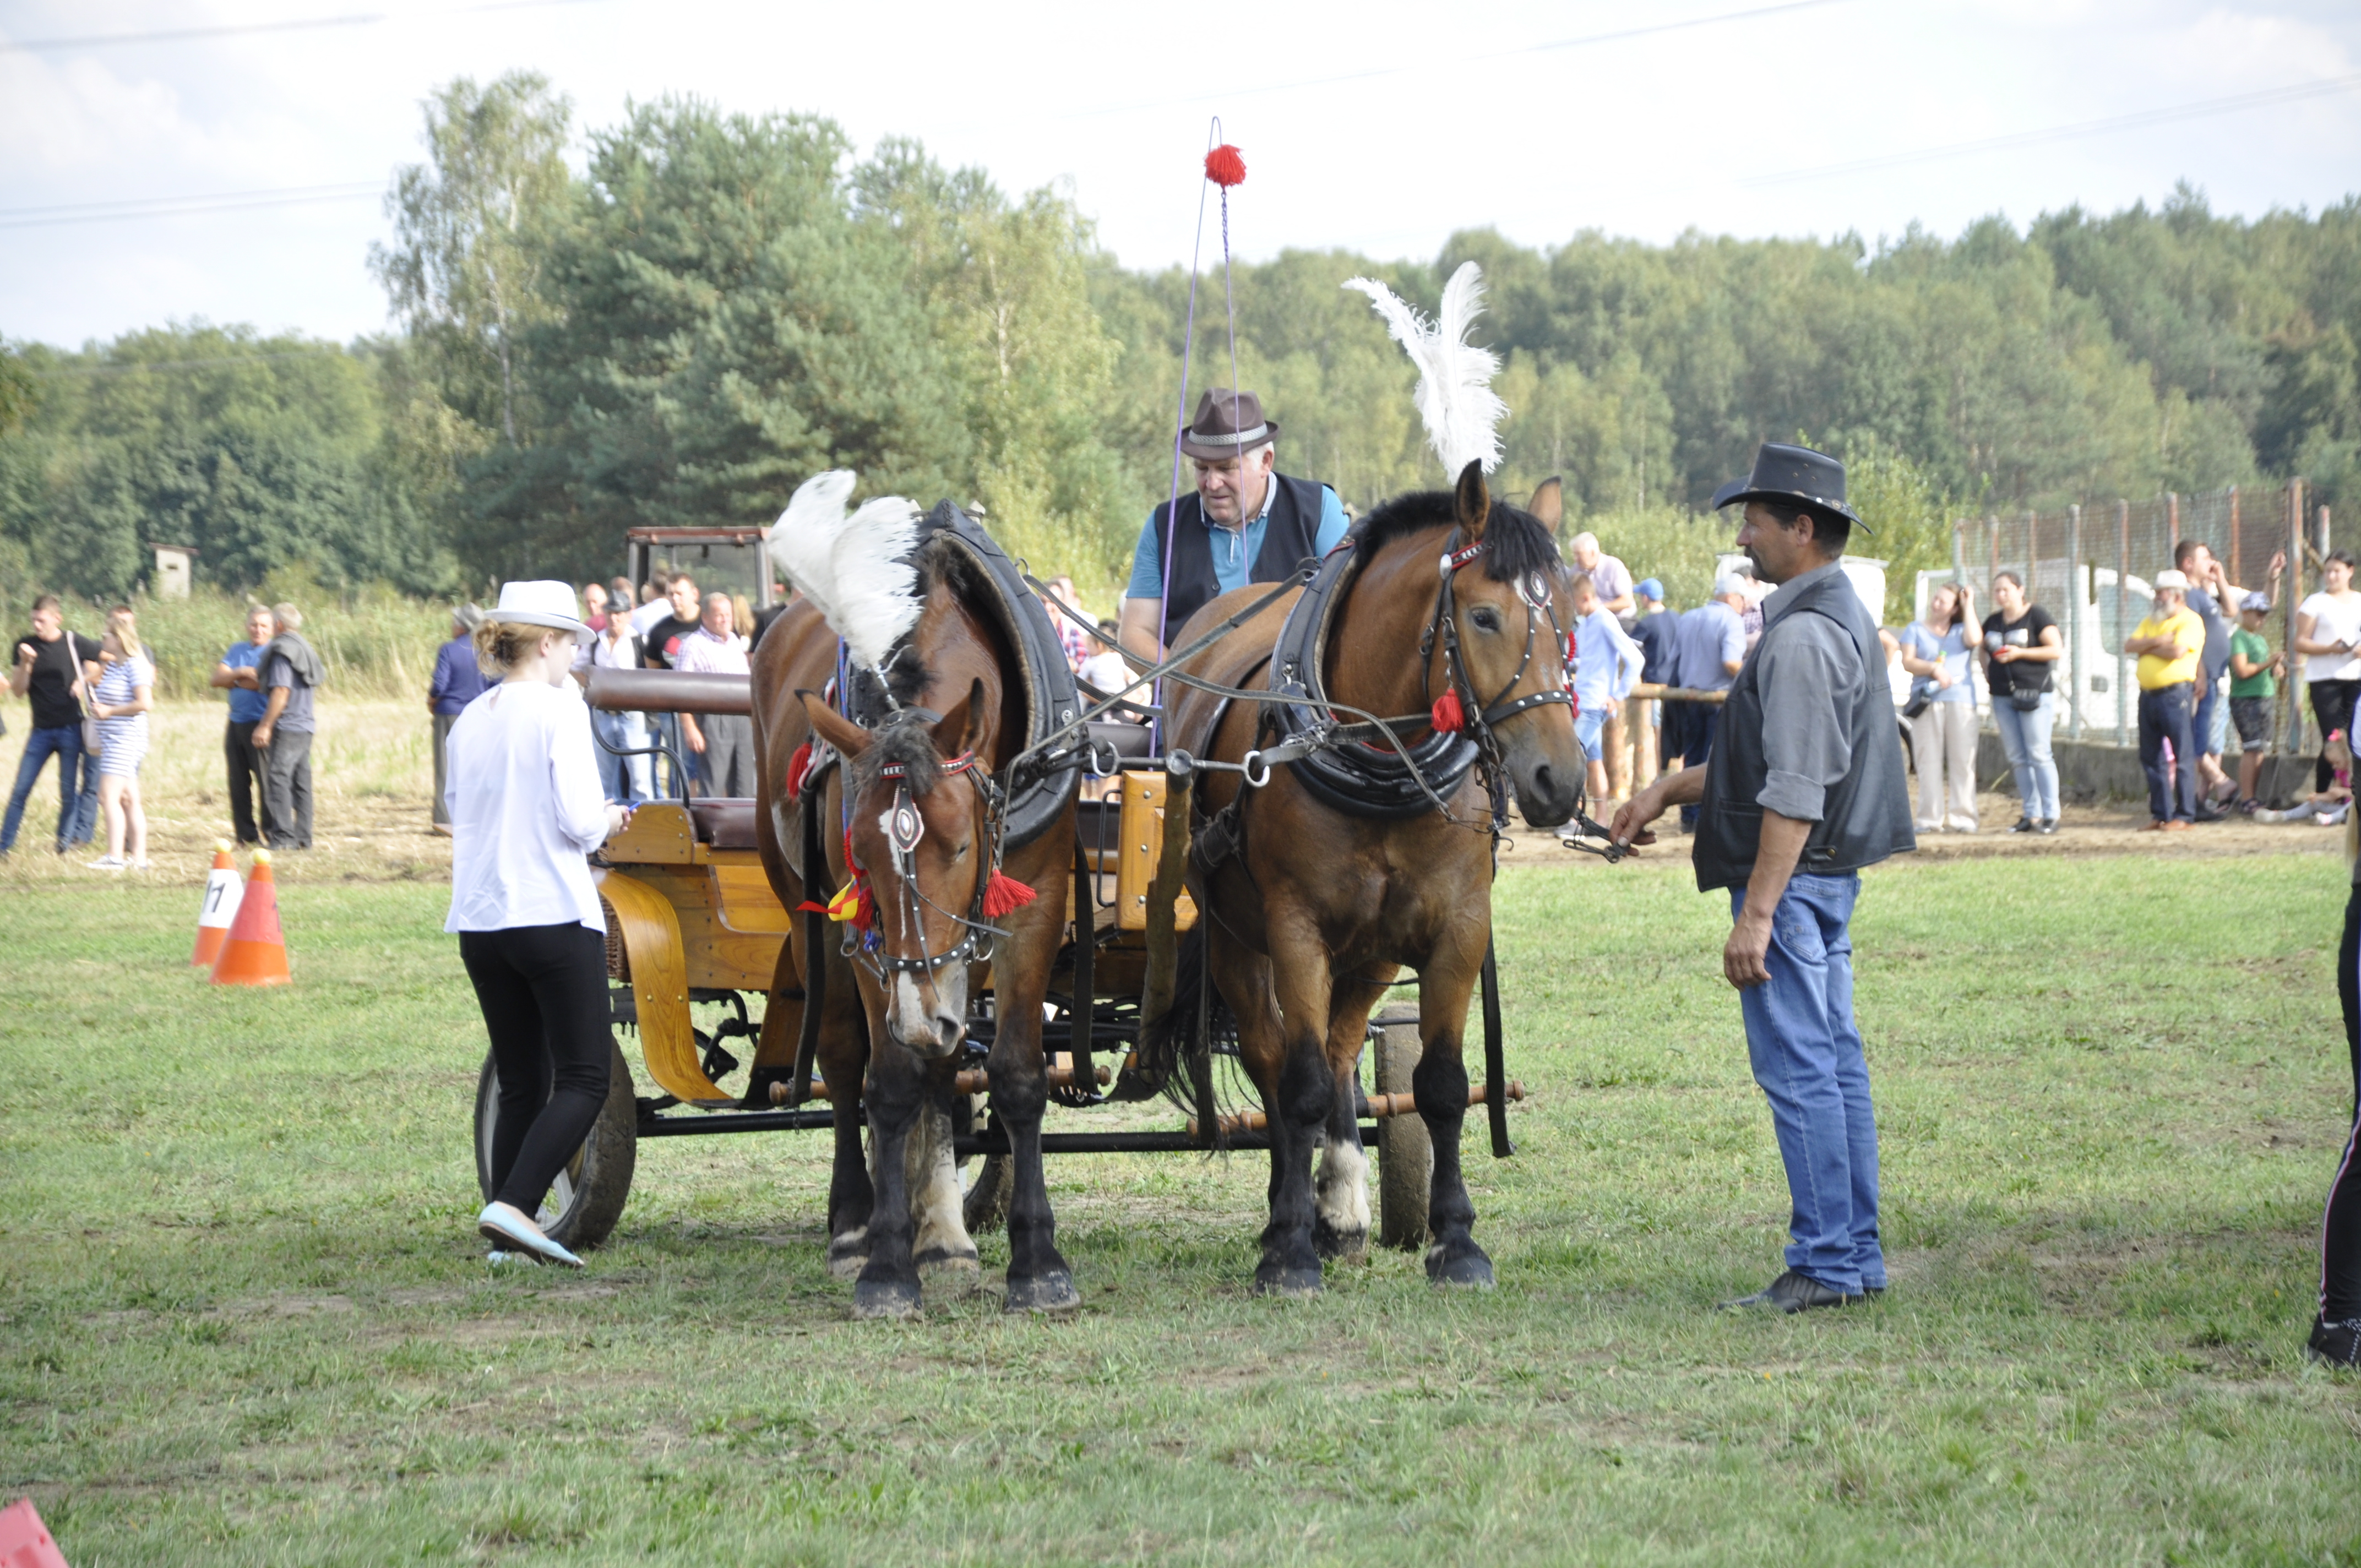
<point x="2204" y="721"/>
<point x="1588" y="724"/>
<point x="625" y="779"/>
<point x="77" y="786"/>
<point x="2164" y="716"/>
<point x="1807" y="1053"/>
<point x="2025" y="738"/>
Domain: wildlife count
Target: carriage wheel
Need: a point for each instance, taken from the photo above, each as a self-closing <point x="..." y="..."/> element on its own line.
<point x="1405" y="1154"/>
<point x="588" y="1197"/>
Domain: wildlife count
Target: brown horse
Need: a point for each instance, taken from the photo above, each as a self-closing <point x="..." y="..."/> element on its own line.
<point x="1315" y="909"/>
<point x="895" y="1006"/>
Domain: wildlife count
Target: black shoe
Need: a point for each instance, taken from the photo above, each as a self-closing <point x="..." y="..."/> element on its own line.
<point x="1872" y="1292"/>
<point x="2208" y="813"/>
<point x="2026" y="825"/>
<point x="1792" y="1293"/>
<point x="2045" y="827"/>
<point x="2334" y="1344"/>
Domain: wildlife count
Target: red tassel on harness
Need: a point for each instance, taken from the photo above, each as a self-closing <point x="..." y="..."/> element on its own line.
<point x="797" y="765"/>
<point x="1225" y="167"/>
<point x="1448" y="716"/>
<point x="1004" y="893"/>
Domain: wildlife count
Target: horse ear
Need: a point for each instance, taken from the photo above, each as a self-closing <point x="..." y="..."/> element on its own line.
<point x="1548" y="505"/>
<point x="1472" y="503"/>
<point x="963" y="724"/>
<point x="833" y="727"/>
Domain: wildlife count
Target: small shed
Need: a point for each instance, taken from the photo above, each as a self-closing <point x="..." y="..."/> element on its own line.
<point x="174" y="565"/>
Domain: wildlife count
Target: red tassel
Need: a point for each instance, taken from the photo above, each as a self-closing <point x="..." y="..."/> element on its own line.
<point x="1004" y="893"/>
<point x="1447" y="716"/>
<point x="797" y="765"/>
<point x="1225" y="167"/>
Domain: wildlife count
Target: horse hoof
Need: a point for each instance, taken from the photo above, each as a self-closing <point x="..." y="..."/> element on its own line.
<point x="1051" y="1292"/>
<point x="1341" y="1246"/>
<point x="1469" y="1270"/>
<point x="885" y="1299"/>
<point x="949" y="1275"/>
<point x="848" y="1254"/>
<point x="1274" y="1280"/>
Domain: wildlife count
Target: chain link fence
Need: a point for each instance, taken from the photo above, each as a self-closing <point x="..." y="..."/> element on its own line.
<point x="2092" y="567"/>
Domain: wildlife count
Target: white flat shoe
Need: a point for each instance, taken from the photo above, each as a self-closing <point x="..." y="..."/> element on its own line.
<point x="503" y="1225"/>
<point x="108" y="863"/>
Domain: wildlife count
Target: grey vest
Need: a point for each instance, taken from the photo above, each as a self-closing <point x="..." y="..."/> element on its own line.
<point x="1867" y="813"/>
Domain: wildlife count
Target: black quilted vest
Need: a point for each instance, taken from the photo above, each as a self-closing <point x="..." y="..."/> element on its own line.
<point x="1290" y="536"/>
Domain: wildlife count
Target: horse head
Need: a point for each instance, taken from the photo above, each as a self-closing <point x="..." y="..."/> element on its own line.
<point x="1510" y="612"/>
<point x="920" y="853"/>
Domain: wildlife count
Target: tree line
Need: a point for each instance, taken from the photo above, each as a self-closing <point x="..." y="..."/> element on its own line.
<point x="716" y="306"/>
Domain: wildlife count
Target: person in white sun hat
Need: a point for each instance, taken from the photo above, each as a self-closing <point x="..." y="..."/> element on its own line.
<point x="526" y="807"/>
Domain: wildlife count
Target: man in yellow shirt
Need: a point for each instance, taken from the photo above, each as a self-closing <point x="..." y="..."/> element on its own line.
<point x="2168" y="643"/>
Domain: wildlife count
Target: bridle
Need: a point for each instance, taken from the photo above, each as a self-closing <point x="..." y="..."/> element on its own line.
<point x="904" y="826"/>
<point x="1479" y="718"/>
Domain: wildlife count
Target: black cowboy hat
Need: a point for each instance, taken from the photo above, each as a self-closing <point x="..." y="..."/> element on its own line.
<point x="1795" y="474"/>
<point x="1228" y="424"/>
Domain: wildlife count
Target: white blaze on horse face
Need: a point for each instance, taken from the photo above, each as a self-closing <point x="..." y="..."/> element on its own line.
<point x="1343" y="1190"/>
<point x="930" y="1019"/>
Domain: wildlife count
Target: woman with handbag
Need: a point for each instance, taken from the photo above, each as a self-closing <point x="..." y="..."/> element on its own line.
<point x="2021" y="644"/>
<point x="122" y="686"/>
<point x="1942" y="709"/>
<point x="526" y="809"/>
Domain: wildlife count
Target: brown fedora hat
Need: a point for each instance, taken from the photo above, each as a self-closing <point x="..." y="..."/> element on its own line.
<point x="1227" y="425"/>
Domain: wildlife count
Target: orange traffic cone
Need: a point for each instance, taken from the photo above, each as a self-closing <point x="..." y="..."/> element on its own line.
<point x="24" y="1541"/>
<point x="255" y="954"/>
<point x="223" y="891"/>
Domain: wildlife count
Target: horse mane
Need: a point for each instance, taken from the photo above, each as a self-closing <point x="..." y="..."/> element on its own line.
<point x="1516" y="545"/>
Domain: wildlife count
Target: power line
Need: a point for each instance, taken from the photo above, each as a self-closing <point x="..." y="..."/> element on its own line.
<point x="1619" y="36"/>
<point x="2262" y="99"/>
<point x="236" y="30"/>
<point x="185" y="206"/>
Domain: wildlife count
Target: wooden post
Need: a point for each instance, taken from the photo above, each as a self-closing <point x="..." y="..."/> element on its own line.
<point x="1992" y="545"/>
<point x="2323" y="531"/>
<point x="2073" y="660"/>
<point x="2122" y="626"/>
<point x="2237" y="561"/>
<point x="2172" y="524"/>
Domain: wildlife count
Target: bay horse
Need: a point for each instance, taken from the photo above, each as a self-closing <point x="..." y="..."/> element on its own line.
<point x="908" y="816"/>
<point x="1313" y="907"/>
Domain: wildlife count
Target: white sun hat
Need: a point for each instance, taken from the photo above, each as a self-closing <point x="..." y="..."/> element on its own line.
<point x="550" y="604"/>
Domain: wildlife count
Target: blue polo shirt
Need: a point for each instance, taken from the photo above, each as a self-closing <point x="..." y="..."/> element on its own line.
<point x="246" y="707"/>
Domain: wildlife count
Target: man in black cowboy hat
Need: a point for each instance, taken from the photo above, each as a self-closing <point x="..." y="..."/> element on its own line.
<point x="1804" y="788"/>
<point x="1243" y="523"/>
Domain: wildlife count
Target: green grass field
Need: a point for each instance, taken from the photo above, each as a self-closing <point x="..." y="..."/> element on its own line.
<point x="245" y="1319"/>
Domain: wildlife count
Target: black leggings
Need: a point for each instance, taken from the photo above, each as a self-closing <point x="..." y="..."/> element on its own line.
<point x="543" y="992"/>
<point x="2332" y="708"/>
<point x="2340" y="1227"/>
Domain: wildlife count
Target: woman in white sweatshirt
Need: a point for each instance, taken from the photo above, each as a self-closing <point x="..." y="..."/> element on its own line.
<point x="526" y="809"/>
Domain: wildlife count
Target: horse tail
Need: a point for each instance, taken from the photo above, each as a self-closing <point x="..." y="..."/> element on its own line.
<point x="1163" y="1038"/>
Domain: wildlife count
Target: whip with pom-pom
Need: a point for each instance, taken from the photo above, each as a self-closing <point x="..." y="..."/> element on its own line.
<point x="1225" y="165"/>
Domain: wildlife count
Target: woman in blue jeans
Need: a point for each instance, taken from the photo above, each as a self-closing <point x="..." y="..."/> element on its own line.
<point x="2021" y="642"/>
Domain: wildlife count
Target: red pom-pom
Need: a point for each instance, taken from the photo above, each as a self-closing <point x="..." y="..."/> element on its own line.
<point x="1225" y="165"/>
<point x="796" y="767"/>
<point x="1004" y="893"/>
<point x="1447" y="716"/>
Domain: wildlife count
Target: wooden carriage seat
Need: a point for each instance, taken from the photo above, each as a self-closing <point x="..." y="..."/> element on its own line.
<point x="724" y="824"/>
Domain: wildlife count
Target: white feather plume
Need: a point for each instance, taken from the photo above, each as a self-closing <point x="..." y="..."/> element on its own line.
<point x="875" y="588"/>
<point x="804" y="539"/>
<point x="853" y="568"/>
<point x="1455" y="395"/>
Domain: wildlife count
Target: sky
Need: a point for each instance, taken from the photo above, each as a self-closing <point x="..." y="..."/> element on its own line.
<point x="1382" y="127"/>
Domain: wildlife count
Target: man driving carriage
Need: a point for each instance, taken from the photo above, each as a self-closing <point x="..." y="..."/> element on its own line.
<point x="1244" y="522"/>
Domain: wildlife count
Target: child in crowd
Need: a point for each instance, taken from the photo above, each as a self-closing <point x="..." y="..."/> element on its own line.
<point x="1606" y="664"/>
<point x="2254" y="683"/>
<point x="2327" y="807"/>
